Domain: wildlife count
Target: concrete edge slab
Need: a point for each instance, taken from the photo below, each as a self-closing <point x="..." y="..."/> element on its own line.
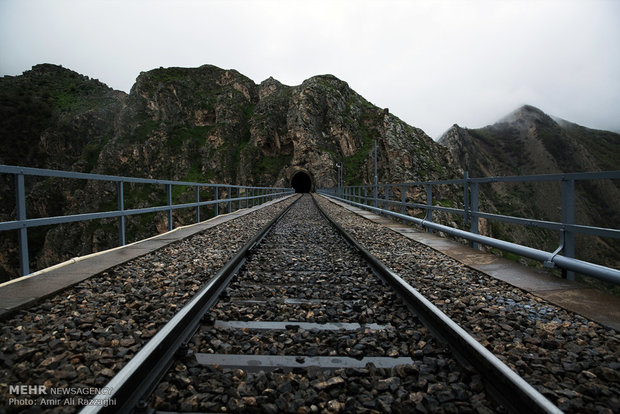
<point x="591" y="303"/>
<point x="27" y="290"/>
<point x="289" y="362"/>
<point x="275" y="325"/>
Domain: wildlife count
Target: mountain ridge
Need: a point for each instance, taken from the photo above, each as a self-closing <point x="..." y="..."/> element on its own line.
<point x="217" y="125"/>
<point x="192" y="124"/>
<point x="527" y="141"/>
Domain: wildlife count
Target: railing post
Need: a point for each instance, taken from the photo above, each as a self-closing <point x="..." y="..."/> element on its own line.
<point x="376" y="182"/>
<point x="466" y="198"/>
<point x="20" y="199"/>
<point x="474" y="209"/>
<point x="169" y="188"/>
<point x="239" y="197"/>
<point x="217" y="205"/>
<point x="403" y="201"/>
<point x="429" y="204"/>
<point x="198" y="207"/>
<point x="568" y="217"/>
<point x="376" y="196"/>
<point x="386" y="197"/>
<point x="121" y="219"/>
<point x="229" y="199"/>
<point x="366" y="196"/>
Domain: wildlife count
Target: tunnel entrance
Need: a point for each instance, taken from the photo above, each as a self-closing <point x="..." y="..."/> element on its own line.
<point x="301" y="182"/>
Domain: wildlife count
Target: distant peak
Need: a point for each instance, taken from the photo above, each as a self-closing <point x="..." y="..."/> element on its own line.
<point x="525" y="114"/>
<point x="268" y="86"/>
<point x="530" y="108"/>
<point x="327" y="78"/>
<point x="271" y="81"/>
<point x="49" y="68"/>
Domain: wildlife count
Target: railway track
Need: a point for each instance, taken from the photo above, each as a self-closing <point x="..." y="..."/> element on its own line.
<point x="312" y="323"/>
<point x="571" y="360"/>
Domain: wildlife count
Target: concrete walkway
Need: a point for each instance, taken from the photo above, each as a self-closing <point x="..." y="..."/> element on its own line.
<point x="24" y="291"/>
<point x="592" y="303"/>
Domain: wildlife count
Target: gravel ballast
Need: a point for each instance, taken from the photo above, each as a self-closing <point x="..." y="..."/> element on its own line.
<point x="304" y="272"/>
<point x="81" y="337"/>
<point x="571" y="360"/>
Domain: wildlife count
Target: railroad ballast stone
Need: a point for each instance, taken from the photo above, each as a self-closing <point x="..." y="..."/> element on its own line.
<point x="572" y="361"/>
<point x="303" y="257"/>
<point x="84" y="335"/>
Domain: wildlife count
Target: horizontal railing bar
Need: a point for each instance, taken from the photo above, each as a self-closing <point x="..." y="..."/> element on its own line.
<point x="422" y="206"/>
<point x="72" y="218"/>
<point x="602" y="175"/>
<point x="593" y="231"/>
<point x="601" y="272"/>
<point x="46" y="221"/>
<point x="41" y="172"/>
<point x="598" y="175"/>
<point x="552" y="225"/>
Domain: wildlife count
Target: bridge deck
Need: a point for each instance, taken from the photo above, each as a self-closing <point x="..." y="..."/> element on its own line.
<point x="22" y="292"/>
<point x="589" y="302"/>
<point x="592" y="303"/>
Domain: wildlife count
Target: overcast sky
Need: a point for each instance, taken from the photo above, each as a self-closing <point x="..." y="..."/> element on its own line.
<point x="432" y="63"/>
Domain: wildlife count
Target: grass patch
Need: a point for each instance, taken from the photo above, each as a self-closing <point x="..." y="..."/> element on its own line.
<point x="197" y="135"/>
<point x="273" y="165"/>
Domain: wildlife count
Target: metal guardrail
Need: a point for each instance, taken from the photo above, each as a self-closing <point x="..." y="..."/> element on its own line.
<point x="247" y="194"/>
<point x="360" y="196"/>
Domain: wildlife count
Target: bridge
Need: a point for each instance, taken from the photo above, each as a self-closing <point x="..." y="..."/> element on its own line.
<point x="316" y="330"/>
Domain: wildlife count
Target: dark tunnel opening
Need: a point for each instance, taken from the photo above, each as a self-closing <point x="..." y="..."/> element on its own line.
<point x="301" y="182"/>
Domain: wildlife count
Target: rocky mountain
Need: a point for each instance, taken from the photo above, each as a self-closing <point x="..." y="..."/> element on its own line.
<point x="196" y="124"/>
<point x="527" y="142"/>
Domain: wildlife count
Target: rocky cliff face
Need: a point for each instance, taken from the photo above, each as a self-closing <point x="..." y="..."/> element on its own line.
<point x="195" y="124"/>
<point x="51" y="117"/>
<point x="526" y="142"/>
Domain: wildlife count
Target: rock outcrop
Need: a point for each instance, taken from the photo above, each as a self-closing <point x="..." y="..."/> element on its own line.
<point x="527" y="142"/>
<point x="201" y="124"/>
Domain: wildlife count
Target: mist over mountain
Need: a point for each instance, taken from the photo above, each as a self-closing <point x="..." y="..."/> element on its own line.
<point x="526" y="142"/>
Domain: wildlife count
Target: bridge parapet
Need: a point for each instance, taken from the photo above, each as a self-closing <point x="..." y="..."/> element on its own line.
<point x="392" y="199"/>
<point x="221" y="196"/>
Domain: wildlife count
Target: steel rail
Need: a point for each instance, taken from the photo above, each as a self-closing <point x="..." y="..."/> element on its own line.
<point x="508" y="387"/>
<point x="130" y="386"/>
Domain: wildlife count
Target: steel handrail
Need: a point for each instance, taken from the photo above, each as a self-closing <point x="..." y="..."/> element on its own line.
<point x="42" y="172"/>
<point x="22" y="223"/>
<point x="580" y="266"/>
<point x="468" y="206"/>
